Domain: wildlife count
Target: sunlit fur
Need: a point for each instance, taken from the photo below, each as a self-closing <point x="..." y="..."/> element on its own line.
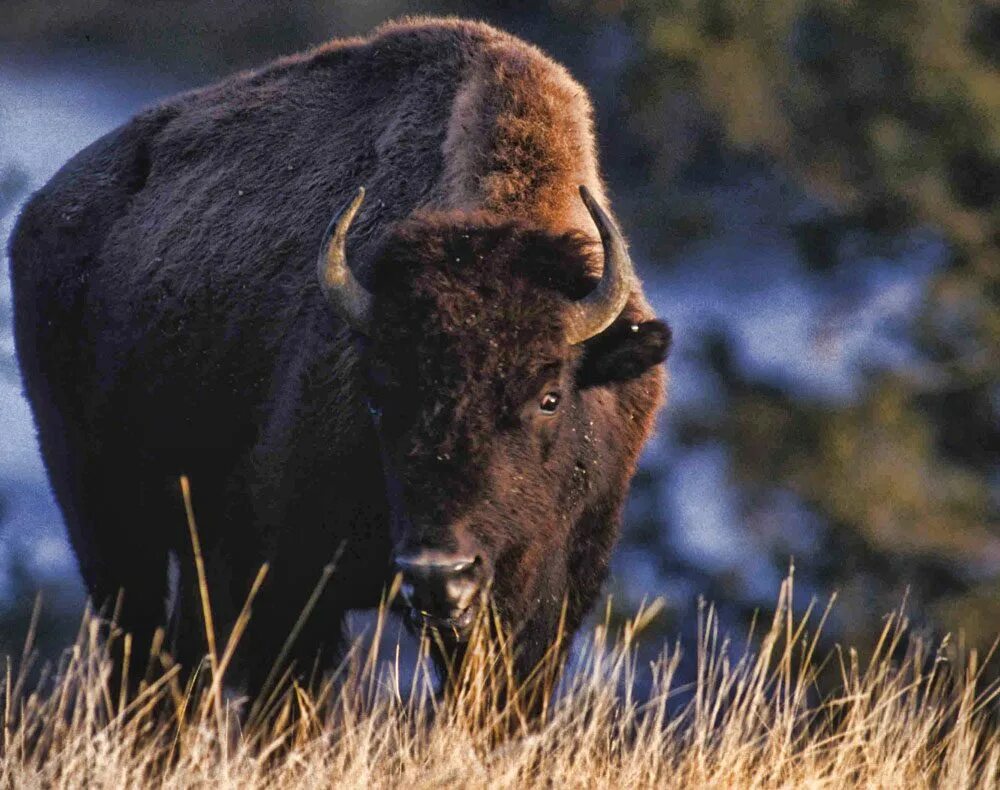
<point x="168" y="321"/>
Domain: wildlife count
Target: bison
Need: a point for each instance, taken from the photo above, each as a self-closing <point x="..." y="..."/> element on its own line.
<point x="460" y="398"/>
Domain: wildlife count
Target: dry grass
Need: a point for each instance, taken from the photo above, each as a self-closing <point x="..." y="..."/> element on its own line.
<point x="907" y="717"/>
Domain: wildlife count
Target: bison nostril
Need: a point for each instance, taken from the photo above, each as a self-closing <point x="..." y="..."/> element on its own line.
<point x="433" y="563"/>
<point x="464" y="565"/>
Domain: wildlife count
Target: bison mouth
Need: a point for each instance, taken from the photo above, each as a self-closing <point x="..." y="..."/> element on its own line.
<point x="442" y="592"/>
<point x="456" y="628"/>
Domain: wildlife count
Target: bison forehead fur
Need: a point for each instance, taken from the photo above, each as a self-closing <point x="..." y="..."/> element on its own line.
<point x="168" y="320"/>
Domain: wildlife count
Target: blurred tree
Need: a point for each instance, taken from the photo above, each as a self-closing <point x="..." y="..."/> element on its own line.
<point x="890" y="111"/>
<point x="199" y="38"/>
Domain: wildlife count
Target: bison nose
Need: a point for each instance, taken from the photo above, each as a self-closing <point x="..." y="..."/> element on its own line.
<point x="440" y="585"/>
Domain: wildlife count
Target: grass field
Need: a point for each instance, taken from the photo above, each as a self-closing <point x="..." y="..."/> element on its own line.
<point x="910" y="715"/>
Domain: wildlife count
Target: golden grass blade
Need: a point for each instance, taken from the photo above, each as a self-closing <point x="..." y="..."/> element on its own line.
<point x="238" y="628"/>
<point x="206" y="606"/>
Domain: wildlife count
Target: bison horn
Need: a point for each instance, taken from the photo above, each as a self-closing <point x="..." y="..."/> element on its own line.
<point x="595" y="312"/>
<point x="347" y="296"/>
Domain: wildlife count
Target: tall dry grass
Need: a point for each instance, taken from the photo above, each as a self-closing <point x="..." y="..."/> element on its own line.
<point x="906" y="717"/>
<point x="755" y="716"/>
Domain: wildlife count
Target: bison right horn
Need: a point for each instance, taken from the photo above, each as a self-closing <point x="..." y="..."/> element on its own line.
<point x="595" y="312"/>
<point x="346" y="295"/>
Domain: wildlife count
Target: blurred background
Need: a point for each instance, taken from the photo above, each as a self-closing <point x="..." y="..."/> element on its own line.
<point x="812" y="191"/>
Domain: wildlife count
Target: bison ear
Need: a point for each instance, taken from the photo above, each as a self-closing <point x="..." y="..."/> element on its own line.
<point x="623" y="351"/>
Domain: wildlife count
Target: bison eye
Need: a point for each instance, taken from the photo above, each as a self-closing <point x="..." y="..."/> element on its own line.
<point x="549" y="403"/>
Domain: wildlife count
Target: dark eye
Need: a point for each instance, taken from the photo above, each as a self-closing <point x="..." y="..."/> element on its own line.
<point x="549" y="403"/>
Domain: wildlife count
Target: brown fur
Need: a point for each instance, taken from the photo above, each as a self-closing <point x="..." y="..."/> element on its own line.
<point x="168" y="321"/>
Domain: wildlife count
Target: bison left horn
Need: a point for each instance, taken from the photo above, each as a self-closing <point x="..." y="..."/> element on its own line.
<point x="346" y="295"/>
<point x="595" y="312"/>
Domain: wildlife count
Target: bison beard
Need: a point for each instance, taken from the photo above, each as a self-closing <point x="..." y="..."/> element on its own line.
<point x="463" y="404"/>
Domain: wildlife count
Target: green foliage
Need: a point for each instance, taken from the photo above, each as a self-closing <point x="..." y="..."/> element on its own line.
<point x="890" y="112"/>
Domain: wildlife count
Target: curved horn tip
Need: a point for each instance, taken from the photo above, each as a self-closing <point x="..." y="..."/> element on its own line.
<point x="595" y="312"/>
<point x="349" y="212"/>
<point x="358" y="199"/>
<point x="346" y="295"/>
<point x="595" y="208"/>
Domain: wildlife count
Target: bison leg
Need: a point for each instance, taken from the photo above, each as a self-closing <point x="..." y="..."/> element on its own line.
<point x="121" y="555"/>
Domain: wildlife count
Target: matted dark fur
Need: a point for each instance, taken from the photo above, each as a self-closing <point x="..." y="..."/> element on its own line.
<point x="169" y="321"/>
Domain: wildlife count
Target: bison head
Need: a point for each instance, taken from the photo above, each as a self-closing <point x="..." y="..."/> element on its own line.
<point x="511" y="392"/>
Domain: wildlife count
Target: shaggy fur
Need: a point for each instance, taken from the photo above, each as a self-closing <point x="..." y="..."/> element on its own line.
<point x="168" y="321"/>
